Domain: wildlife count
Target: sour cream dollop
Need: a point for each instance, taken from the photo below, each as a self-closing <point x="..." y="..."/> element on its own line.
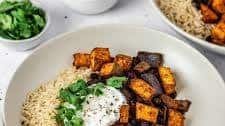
<point x="103" y="110"/>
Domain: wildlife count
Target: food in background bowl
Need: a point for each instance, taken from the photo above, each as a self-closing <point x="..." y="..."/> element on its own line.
<point x="101" y="90"/>
<point x="201" y="18"/>
<point x="20" y="20"/>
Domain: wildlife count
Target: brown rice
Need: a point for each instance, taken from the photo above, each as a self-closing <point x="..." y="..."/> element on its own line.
<point x="184" y="14"/>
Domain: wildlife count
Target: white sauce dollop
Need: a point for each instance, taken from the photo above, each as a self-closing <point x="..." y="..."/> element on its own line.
<point x="103" y="110"/>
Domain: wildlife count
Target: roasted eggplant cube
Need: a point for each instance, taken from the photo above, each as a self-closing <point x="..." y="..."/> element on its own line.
<point x="180" y="105"/>
<point x="146" y="113"/>
<point x="129" y="95"/>
<point x="141" y="67"/>
<point x="124" y="113"/>
<point x="81" y="60"/>
<point x="209" y="16"/>
<point x="168" y="80"/>
<point x="153" y="81"/>
<point x="110" y="69"/>
<point x="175" y="118"/>
<point x="124" y="61"/>
<point x="142" y="88"/>
<point x="144" y="123"/>
<point x="153" y="59"/>
<point x="99" y="56"/>
<point x="162" y="117"/>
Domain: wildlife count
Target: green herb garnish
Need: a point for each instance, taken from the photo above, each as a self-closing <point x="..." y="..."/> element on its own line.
<point x="20" y="20"/>
<point x="72" y="99"/>
<point x="97" y="89"/>
<point x="116" y="82"/>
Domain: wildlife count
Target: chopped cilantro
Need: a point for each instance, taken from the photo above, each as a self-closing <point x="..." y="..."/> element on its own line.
<point x="116" y="82"/>
<point x="97" y="89"/>
<point x="72" y="98"/>
<point x="20" y="19"/>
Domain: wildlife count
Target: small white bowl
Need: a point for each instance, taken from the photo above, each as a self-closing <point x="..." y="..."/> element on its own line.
<point x="90" y="6"/>
<point x="26" y="44"/>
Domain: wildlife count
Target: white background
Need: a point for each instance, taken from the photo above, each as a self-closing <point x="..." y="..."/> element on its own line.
<point x="138" y="12"/>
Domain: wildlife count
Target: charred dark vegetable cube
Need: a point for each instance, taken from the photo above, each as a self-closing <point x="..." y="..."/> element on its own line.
<point x="143" y="123"/>
<point x="153" y="81"/>
<point x="130" y="96"/>
<point x="153" y="59"/>
<point x="162" y="117"/>
<point x="142" y="66"/>
<point x="180" y="105"/>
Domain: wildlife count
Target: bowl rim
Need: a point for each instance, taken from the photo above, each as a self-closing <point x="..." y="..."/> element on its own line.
<point x="201" y="42"/>
<point x="52" y="40"/>
<point x="47" y="18"/>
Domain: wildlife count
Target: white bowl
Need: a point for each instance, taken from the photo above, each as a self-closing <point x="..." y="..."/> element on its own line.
<point x="203" y="43"/>
<point x="26" y="44"/>
<point x="90" y="6"/>
<point x="196" y="77"/>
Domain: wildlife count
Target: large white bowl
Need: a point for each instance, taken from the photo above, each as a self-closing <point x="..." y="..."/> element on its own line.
<point x="196" y="77"/>
<point x="203" y="43"/>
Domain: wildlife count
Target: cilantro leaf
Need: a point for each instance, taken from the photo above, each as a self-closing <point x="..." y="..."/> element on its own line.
<point x="79" y="85"/>
<point x="5" y="22"/>
<point x="97" y="89"/>
<point x="76" y="121"/>
<point x="116" y="82"/>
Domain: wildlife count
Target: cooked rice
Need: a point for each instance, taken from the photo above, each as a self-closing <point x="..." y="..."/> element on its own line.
<point x="184" y="14"/>
<point x="40" y="104"/>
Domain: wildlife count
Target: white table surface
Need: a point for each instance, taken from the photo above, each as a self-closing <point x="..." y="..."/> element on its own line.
<point x="138" y="12"/>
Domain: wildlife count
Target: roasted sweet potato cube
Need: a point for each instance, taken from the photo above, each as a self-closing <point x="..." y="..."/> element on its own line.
<point x="218" y="6"/>
<point x="142" y="88"/>
<point x="218" y="34"/>
<point x="175" y="118"/>
<point x="168" y="80"/>
<point x="209" y="16"/>
<point x="109" y="69"/>
<point x="124" y="61"/>
<point x="146" y="113"/>
<point x="124" y="113"/>
<point x="81" y="60"/>
<point x="99" y="56"/>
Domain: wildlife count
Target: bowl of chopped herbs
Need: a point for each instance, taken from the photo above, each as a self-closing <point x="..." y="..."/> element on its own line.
<point x="22" y="23"/>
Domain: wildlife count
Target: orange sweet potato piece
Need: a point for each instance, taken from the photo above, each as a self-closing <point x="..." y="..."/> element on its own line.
<point x="146" y="113"/>
<point x="81" y="60"/>
<point x="99" y="56"/>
